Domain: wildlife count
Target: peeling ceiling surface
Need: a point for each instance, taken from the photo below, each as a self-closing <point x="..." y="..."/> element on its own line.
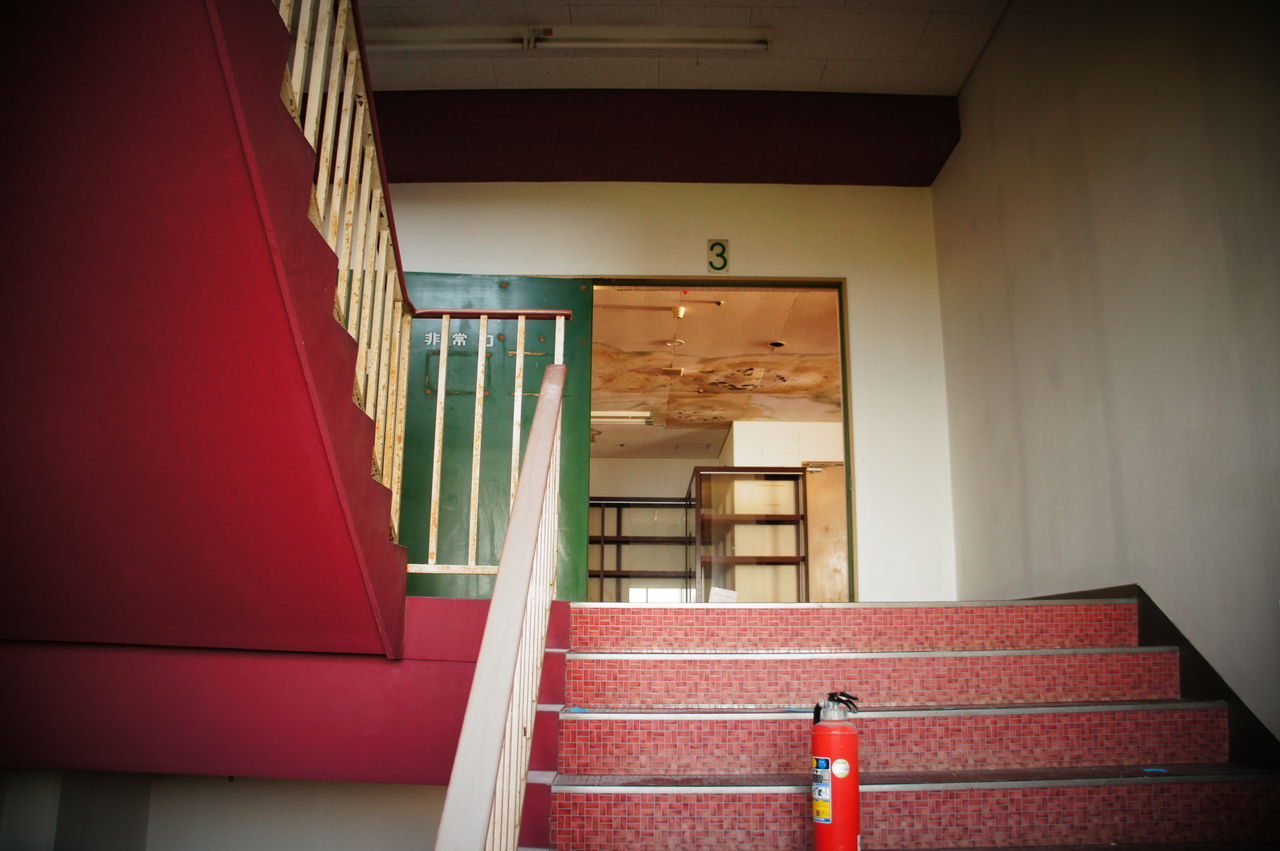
<point x="916" y="47"/>
<point x="757" y="353"/>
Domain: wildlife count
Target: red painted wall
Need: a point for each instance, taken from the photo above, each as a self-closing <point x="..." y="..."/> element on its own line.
<point x="258" y="714"/>
<point x="183" y="461"/>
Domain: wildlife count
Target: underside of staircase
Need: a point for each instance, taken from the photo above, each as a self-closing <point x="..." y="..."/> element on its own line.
<point x="984" y="725"/>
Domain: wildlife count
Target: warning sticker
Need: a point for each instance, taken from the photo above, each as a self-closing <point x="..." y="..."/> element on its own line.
<point x="822" y="790"/>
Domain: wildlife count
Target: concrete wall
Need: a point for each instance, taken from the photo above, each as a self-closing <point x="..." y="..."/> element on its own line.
<point x="1109" y="268"/>
<point x="97" y="811"/>
<point x="214" y="814"/>
<point x="880" y="240"/>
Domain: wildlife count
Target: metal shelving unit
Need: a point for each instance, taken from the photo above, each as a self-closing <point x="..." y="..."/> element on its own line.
<point x="622" y="565"/>
<point x="748" y="526"/>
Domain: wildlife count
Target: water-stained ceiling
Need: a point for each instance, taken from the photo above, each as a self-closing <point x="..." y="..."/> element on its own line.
<point x="736" y="353"/>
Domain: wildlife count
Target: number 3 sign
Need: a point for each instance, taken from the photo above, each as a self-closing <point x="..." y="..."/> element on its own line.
<point x="718" y="255"/>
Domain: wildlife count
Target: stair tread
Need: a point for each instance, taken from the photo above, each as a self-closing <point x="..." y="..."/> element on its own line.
<point x="1062" y="775"/>
<point x="1243" y="845"/>
<point x="895" y="604"/>
<point x="887" y="710"/>
<point x="679" y="655"/>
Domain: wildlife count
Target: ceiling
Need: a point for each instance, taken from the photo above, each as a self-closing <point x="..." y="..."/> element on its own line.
<point x="915" y="47"/>
<point x="728" y="366"/>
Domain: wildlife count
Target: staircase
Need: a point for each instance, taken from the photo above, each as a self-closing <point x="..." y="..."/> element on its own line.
<point x="983" y="725"/>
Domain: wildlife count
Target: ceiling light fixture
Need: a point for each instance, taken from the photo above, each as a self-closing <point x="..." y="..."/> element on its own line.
<point x="621" y="418"/>
<point x="567" y="37"/>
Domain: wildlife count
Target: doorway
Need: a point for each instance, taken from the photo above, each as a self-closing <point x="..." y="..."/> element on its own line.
<point x="689" y="375"/>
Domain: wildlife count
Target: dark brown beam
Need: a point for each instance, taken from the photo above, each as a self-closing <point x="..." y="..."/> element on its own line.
<point x="669" y="136"/>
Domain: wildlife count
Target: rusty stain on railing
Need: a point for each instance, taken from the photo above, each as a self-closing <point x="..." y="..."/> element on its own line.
<point x="517" y="408"/>
<point x="477" y="441"/>
<point x="349" y="210"/>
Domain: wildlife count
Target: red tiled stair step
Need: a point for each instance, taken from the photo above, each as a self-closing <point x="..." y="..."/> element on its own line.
<point x="854" y="627"/>
<point x="1189" y="804"/>
<point x="697" y="743"/>
<point x="782" y="680"/>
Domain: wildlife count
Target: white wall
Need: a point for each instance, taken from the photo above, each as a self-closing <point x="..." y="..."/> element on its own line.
<point x="1109" y="267"/>
<point x="214" y="814"/>
<point x="880" y="240"/>
<point x="644" y="476"/>
<point x="768" y="444"/>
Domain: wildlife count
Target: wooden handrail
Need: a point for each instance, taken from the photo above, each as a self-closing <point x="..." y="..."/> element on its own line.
<point x="486" y="789"/>
<point x="492" y="313"/>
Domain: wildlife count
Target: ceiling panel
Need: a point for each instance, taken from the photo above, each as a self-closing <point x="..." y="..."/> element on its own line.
<point x="872" y="46"/>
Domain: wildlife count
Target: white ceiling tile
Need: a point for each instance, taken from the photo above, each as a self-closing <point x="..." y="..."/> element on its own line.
<point x="955" y="37"/>
<point x="443" y="16"/>
<point x="366" y="5"/>
<point x="899" y="78"/>
<point x="996" y="6"/>
<point x="378" y="17"/>
<point x="624" y="53"/>
<point x="576" y="73"/>
<point x="412" y="4"/>
<point x="418" y="72"/>
<point x="842" y="34"/>
<point x="812" y="4"/>
<point x="743" y="74"/>
<point x="664" y="16"/>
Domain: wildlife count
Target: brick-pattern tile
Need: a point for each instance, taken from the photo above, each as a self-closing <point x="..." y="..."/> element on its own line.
<point x="953" y="742"/>
<point x="1055" y="815"/>
<point x="854" y="629"/>
<point x="697" y="821"/>
<point x="1073" y="815"/>
<point x="655" y="683"/>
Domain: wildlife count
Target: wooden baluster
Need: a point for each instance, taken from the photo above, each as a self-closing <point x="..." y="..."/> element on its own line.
<point x="477" y="439"/>
<point x="366" y="368"/>
<point x="359" y="248"/>
<point x="402" y="399"/>
<point x="301" y="48"/>
<point x="437" y="445"/>
<point x="319" y="64"/>
<point x="390" y="329"/>
<point x="337" y="100"/>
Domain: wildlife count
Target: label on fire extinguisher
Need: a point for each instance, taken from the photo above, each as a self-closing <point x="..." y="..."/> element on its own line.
<point x="822" y="790"/>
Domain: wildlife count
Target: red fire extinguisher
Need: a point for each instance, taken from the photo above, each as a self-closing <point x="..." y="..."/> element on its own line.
<point x="836" y="813"/>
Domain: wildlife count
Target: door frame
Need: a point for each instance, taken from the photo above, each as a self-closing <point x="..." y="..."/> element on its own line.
<point x="840" y="285"/>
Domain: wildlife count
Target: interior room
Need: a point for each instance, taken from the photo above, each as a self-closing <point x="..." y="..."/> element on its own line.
<point x="717" y="443"/>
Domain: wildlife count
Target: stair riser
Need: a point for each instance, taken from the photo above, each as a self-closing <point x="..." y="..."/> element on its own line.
<point x="999" y="817"/>
<point x="654" y="683"/>
<point x="954" y="742"/>
<point x="853" y="629"/>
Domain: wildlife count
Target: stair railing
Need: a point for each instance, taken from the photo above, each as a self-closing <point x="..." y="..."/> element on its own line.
<point x="324" y="89"/>
<point x="480" y="459"/>
<point x="486" y="789"/>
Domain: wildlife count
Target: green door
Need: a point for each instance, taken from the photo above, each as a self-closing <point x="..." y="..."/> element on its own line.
<point x="439" y="292"/>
